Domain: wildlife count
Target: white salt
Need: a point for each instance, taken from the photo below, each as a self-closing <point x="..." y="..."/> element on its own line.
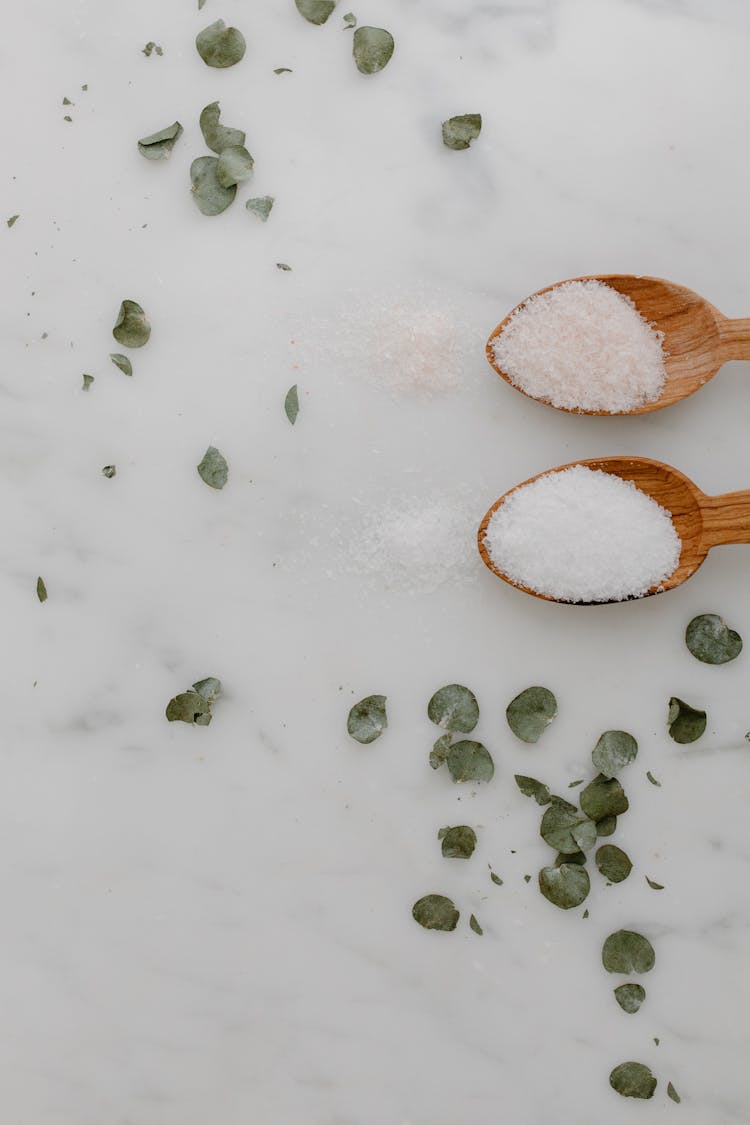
<point x="583" y="346"/>
<point x="582" y="535"/>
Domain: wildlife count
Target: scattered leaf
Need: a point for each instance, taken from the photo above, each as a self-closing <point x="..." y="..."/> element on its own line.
<point x="213" y="468"/>
<point x="219" y="45"/>
<point x="573" y="857"/>
<point x="584" y="834"/>
<point x="654" y="886"/>
<point x="350" y="21"/>
<point x="159" y="145"/>
<point x="283" y="70"/>
<point x="148" y="50"/>
<point x="454" y="708"/>
<point x="12" y="220"/>
<point x="474" y="925"/>
<point x="68" y="118"/>
<point x="189" y="707"/>
<point x="561" y="803"/>
<point x="710" y="639"/>
<point x="458" y="842"/>
<point x="109" y="471"/>
<point x="614" y="750"/>
<point x="459" y="132"/>
<point x="87" y="381"/>
<point x="630" y="997"/>
<point x="606" y="826"/>
<point x="527" y="878"/>
<point x="626" y="951"/>
<point x="562" y="828"/>
<point x="565" y="886"/>
<point x="439" y="751"/>
<point x="496" y="879"/>
<point x="122" y="362"/>
<point x="41" y="589"/>
<point x="470" y="761"/>
<point x="283" y="266"/>
<point x="67" y="101"/>
<point x="372" y="49"/>
<point x="672" y="1093"/>
<point x="209" y="689"/>
<point x="234" y="167"/>
<point x="291" y="404"/>
<point x="585" y="914"/>
<point x="575" y="784"/>
<point x="367" y="719"/>
<point x="315" y="11"/>
<point x="686" y="724"/>
<point x="131" y="329"/>
<point x="633" y="1080"/>
<point x="208" y="193"/>
<point x="260" y="206"/>
<point x="613" y="863"/>
<point x="530" y="787"/>
<point x="652" y="779"/>
<point x="531" y="712"/>
<point x="85" y="86"/>
<point x="435" y="912"/>
<point x="218" y="137"/>
<point x="603" y="797"/>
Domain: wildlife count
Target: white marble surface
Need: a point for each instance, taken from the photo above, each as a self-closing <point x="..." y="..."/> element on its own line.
<point x="214" y="924"/>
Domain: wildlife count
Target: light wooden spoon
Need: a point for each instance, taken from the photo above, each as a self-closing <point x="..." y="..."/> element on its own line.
<point x="698" y="339"/>
<point x="701" y="521"/>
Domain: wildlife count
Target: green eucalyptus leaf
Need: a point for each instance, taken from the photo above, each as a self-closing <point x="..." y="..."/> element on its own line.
<point x="613" y="863"/>
<point x="12" y="220"/>
<point x="672" y="1093"/>
<point x="315" y="11"/>
<point x="283" y="266"/>
<point x="603" y="797"/>
<point x="710" y="639"/>
<point x="189" y="707"/>
<point x="350" y="21"/>
<point x="470" y="761"/>
<point x="633" y="1080"/>
<point x="652" y="779"/>
<point x="372" y="49"/>
<point x="454" y="708"/>
<point x="210" y="196"/>
<point x="122" y="362"/>
<point x="260" y="206"/>
<point x="630" y="997"/>
<point x="159" y="145"/>
<point x="67" y="101"/>
<point x="561" y="803"/>
<point x="654" y="886"/>
<point x="458" y="842"/>
<point x="67" y="118"/>
<point x="584" y="834"/>
<point x="530" y="787"/>
<point x="131" y="329"/>
<point x="474" y="925"/>
<point x="686" y="724"/>
<point x="218" y="137"/>
<point x="562" y="828"/>
<point x="41" y="589"/>
<point x="219" y="45"/>
<point x="576" y="783"/>
<point x="291" y="404"/>
<point x="109" y="471"/>
<point x="572" y="857"/>
<point x="234" y="167"/>
<point x="87" y="381"/>
<point x="626" y="951"/>
<point x="439" y="751"/>
<point x="496" y="879"/>
<point x="435" y="912"/>
<point x="283" y="70"/>
<point x="531" y="712"/>
<point x="614" y="750"/>
<point x="565" y="886"/>
<point x="459" y="132"/>
<point x="213" y="468"/>
<point x="606" y="826"/>
<point x="367" y="719"/>
<point x="148" y="50"/>
<point x="209" y="688"/>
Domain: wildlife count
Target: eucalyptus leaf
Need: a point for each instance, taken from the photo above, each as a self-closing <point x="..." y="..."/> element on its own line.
<point x="531" y="712"/>
<point x="41" y="589"/>
<point x="454" y="708"/>
<point x="213" y="468"/>
<point x="159" y="145"/>
<point x="67" y="118"/>
<point x="372" y="49"/>
<point x="291" y="404"/>
<point x="633" y="1080"/>
<point x="435" y="912"/>
<point x="209" y="689"/>
<point x="109" y="471"/>
<point x="350" y="21"/>
<point x="470" y="761"/>
<point x="219" y="45"/>
<point x="458" y="842"/>
<point x="67" y="101"/>
<point x="561" y="803"/>
<point x="530" y="787"/>
<point x="210" y="196"/>
<point x="131" y="329"/>
<point x="459" y="132"/>
<point x="630" y="997"/>
<point x="234" y="167"/>
<point x="218" y="137"/>
<point x="496" y="879"/>
<point x="260" y="206"/>
<point x="654" y="886"/>
<point x="557" y="829"/>
<point x="87" y="381"/>
<point x="283" y="70"/>
<point x="474" y="925"/>
<point x="565" y="886"/>
<point x="710" y="639"/>
<point x="367" y="719"/>
<point x="576" y="783"/>
<point x="315" y="11"/>
<point x="613" y="863"/>
<point x="572" y="857"/>
<point x="189" y="707"/>
<point x="672" y="1093"/>
<point x="148" y="50"/>
<point x="439" y="751"/>
<point x="652" y="779"/>
<point x="12" y="220"/>
<point x="584" y="834"/>
<point x="614" y="750"/>
<point x="686" y="724"/>
<point x="283" y="266"/>
<point x="606" y="826"/>
<point x="626" y="951"/>
<point x="603" y="797"/>
<point x="122" y="362"/>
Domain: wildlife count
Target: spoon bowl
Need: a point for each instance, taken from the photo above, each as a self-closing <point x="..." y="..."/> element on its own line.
<point x="698" y="339"/>
<point x="701" y="521"/>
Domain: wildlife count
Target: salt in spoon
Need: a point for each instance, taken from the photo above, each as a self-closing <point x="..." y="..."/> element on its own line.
<point x="701" y="521"/>
<point x="698" y="339"/>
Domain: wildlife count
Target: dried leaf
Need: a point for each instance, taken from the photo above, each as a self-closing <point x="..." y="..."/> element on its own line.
<point x="148" y="50"/>
<point x="350" y="21"/>
<point x="459" y="132"/>
<point x="614" y="750"/>
<point x="315" y="11"/>
<point x="87" y="381"/>
<point x="41" y="589"/>
<point x="435" y="912"/>
<point x="626" y="951"/>
<point x="209" y="689"/>
<point x="291" y="404"/>
<point x="454" y="708"/>
<point x="210" y="196"/>
<point x="218" y="137"/>
<point x="109" y="471"/>
<point x="652" y="779"/>
<point x="283" y="266"/>
<point x="630" y="997"/>
<point x="122" y="362"/>
<point x="470" y="761"/>
<point x="219" y="45"/>
<point x="686" y="724"/>
<point x="131" y="329"/>
<point x="565" y="886"/>
<point x="260" y="206"/>
<point x="672" y="1093"/>
<point x="633" y="1080"/>
<point x="213" y="468"/>
<point x="654" y="886"/>
<point x="159" y="145"/>
<point x="530" y="787"/>
<point x="496" y="879"/>
<point x="439" y="751"/>
<point x="189" y="707"/>
<point x="613" y="863"/>
<point x="474" y="925"/>
<point x="12" y="220"/>
<point x="603" y="797"/>
<point x="563" y="829"/>
<point x="234" y="167"/>
<point x="710" y="639"/>
<point x="458" y="842"/>
<point x="531" y="712"/>
<point x="283" y="70"/>
<point x="367" y="719"/>
<point x="372" y="49"/>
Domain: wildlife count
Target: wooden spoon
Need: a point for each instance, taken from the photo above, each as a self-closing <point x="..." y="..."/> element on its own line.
<point x="701" y="521"/>
<point x="698" y="339"/>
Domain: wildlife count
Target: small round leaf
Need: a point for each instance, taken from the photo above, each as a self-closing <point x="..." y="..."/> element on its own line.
<point x="562" y="828"/>
<point x="219" y="45"/>
<point x="372" y="49"/>
<point x="218" y="137"/>
<point x="530" y="787"/>
<point x="606" y="826"/>
<point x="613" y="863"/>
<point x="159" y="145"/>
<point x="261" y="206"/>
<point x="626" y="951"/>
<point x="234" y="167"/>
<point x="459" y="132"/>
<point x="710" y="639"/>
<point x="315" y="11"/>
<point x="210" y="196"/>
<point x="565" y="886"/>
<point x="213" y="468"/>
<point x="435" y="912"/>
<point x="630" y="997"/>
<point x="531" y="712"/>
<point x="189" y="707"/>
<point x="470" y="761"/>
<point x="603" y="797"/>
<point x="454" y="707"/>
<point x="131" y="329"/>
<point x="615" y="749"/>
<point x="367" y="719"/>
<point x="686" y="724"/>
<point x="458" y="842"/>
<point x="633" y="1080"/>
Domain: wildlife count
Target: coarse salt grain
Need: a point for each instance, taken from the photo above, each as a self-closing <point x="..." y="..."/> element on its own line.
<point x="583" y="346"/>
<point x="583" y="535"/>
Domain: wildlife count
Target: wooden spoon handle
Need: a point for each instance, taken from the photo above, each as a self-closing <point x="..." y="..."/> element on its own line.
<point x="726" y="519"/>
<point x="734" y="339"/>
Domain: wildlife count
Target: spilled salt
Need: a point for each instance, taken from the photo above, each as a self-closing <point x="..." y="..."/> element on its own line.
<point x="583" y="535"/>
<point x="582" y="346"/>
